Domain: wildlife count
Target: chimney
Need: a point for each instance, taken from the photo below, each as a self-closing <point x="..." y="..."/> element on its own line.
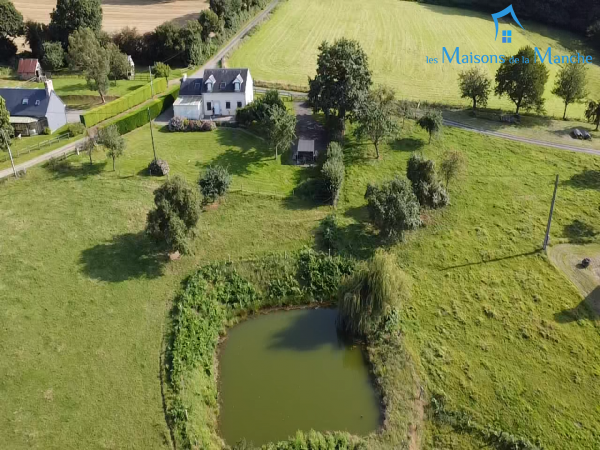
<point x="49" y="87"/>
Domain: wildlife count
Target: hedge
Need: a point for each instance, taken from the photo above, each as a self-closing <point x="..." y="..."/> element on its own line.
<point x="104" y="112"/>
<point x="139" y="117"/>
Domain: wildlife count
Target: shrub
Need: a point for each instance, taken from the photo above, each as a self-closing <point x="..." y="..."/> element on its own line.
<point x="158" y="167"/>
<point x="47" y="131"/>
<point x="177" y="124"/>
<point x="370" y="294"/>
<point x="54" y="55"/>
<point x="214" y="183"/>
<point x="193" y="125"/>
<point x="333" y="173"/>
<point x="208" y="125"/>
<point x="329" y="232"/>
<point x="76" y="128"/>
<point x="162" y="70"/>
<point x="452" y="165"/>
<point x="335" y="151"/>
<point x="393" y="207"/>
<point x="320" y="274"/>
<point x="426" y="186"/>
<point x="259" y="109"/>
<point x="176" y="213"/>
<point x="432" y="122"/>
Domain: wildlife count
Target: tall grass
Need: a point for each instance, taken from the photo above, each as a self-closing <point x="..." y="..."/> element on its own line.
<point x="365" y="296"/>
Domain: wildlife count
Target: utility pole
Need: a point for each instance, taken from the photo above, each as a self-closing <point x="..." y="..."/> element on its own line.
<point x="151" y="133"/>
<point x="151" y="85"/>
<point x="547" y="238"/>
<point x="10" y="154"/>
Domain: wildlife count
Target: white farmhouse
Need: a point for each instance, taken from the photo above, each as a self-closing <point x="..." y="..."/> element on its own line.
<point x="220" y="93"/>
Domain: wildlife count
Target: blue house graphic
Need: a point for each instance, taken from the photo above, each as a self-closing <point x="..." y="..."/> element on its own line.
<point x="506" y="34"/>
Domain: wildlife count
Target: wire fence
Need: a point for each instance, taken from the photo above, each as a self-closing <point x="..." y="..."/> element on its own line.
<point x="24" y="151"/>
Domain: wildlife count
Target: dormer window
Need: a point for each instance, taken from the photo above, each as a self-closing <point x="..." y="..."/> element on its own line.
<point x="236" y="86"/>
<point x="210" y="83"/>
<point x="25" y="101"/>
<point x="37" y="103"/>
<point x="237" y="83"/>
<point x="209" y="87"/>
<point x="222" y="85"/>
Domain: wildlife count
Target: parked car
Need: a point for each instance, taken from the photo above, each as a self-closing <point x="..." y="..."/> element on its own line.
<point x="576" y="134"/>
<point x="587" y="136"/>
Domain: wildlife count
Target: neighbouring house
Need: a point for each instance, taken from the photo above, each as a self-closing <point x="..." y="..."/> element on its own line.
<point x="29" y="68"/>
<point x="131" y="68"/>
<point x="32" y="110"/>
<point x="219" y="93"/>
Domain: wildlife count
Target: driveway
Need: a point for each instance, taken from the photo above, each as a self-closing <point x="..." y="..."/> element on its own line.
<point x="309" y="128"/>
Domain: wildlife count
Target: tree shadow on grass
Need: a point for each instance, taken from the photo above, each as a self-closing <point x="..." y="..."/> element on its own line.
<point x="407" y="144"/>
<point x="66" y="169"/>
<point x="588" y="309"/>
<point x="588" y="179"/>
<point x="579" y="232"/>
<point x="244" y="154"/>
<point x="125" y="257"/>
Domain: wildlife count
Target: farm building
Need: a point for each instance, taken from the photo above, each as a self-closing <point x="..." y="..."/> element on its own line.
<point x="219" y="93"/>
<point x="32" y="110"/>
<point x="29" y="68"/>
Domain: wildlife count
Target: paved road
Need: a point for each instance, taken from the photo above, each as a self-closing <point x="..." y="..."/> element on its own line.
<point x="67" y="149"/>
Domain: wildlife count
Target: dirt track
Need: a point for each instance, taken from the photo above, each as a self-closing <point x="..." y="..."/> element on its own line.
<point x="145" y="15"/>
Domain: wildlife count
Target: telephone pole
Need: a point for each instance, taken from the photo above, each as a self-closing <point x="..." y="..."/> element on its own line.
<point x="151" y="133"/>
<point x="547" y="238"/>
<point x="10" y="153"/>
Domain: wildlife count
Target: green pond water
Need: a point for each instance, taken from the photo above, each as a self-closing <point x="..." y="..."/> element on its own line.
<point x="287" y="371"/>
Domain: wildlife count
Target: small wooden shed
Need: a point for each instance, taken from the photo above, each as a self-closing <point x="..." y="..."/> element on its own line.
<point x="29" y="68"/>
<point x="306" y="151"/>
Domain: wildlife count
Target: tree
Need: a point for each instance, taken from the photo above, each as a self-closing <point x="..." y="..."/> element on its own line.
<point x="592" y="113"/>
<point x="425" y="185"/>
<point x="131" y="43"/>
<point x="176" y="213"/>
<point x="393" y="207"/>
<point x="333" y="172"/>
<point x="11" y="20"/>
<point x="8" y="49"/>
<point x="112" y="141"/>
<point x="523" y="80"/>
<point x="72" y="15"/>
<point x="281" y="129"/>
<point x="117" y="62"/>
<point x="86" y="54"/>
<point x="214" y="183"/>
<point x="162" y="70"/>
<point x="475" y="84"/>
<point x="190" y="36"/>
<point x="210" y="24"/>
<point x="260" y="109"/>
<point x="432" y="122"/>
<point x="452" y="165"/>
<point x="570" y="84"/>
<point x="35" y="36"/>
<point x="6" y="130"/>
<point x="54" y="55"/>
<point x="343" y="80"/>
<point x="89" y="145"/>
<point x="375" y="117"/>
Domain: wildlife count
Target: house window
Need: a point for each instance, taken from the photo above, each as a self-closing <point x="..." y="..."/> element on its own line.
<point x="223" y="84"/>
<point x="209" y="87"/>
<point x="227" y="105"/>
<point x="208" y="106"/>
<point x="237" y="86"/>
<point x="239" y="104"/>
<point x="25" y="101"/>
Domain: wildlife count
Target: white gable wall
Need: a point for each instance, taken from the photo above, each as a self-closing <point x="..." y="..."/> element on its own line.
<point x="222" y="98"/>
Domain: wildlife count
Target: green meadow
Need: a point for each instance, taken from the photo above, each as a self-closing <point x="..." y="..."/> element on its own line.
<point x="398" y="36"/>
<point x="491" y="324"/>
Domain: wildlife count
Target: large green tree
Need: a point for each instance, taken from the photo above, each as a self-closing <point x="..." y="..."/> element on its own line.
<point x="570" y="84"/>
<point x="210" y="23"/>
<point x="71" y="15"/>
<point x="475" y="85"/>
<point x="522" y="78"/>
<point x="375" y="117"/>
<point x="281" y="129"/>
<point x="6" y="130"/>
<point x="343" y="79"/>
<point x="11" y="20"/>
<point x="86" y="54"/>
<point x="54" y="55"/>
<point x="117" y="62"/>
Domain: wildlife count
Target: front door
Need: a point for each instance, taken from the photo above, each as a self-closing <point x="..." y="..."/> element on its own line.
<point x="217" y="109"/>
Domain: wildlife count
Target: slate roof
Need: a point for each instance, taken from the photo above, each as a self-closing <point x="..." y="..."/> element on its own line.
<point x="197" y="86"/>
<point x="27" y="65"/>
<point x="14" y="101"/>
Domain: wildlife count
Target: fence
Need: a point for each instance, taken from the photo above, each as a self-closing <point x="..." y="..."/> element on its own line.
<point x="35" y="147"/>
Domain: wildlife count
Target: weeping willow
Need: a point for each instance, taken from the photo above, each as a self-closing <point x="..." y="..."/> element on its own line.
<point x="370" y="292"/>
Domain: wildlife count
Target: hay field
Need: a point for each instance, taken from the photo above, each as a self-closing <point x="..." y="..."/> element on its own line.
<point x="397" y="36"/>
<point x="145" y="15"/>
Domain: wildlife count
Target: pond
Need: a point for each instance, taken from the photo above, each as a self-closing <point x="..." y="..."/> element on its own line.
<point x="287" y="371"/>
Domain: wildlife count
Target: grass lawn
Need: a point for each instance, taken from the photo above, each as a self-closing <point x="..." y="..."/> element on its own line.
<point x="491" y="323"/>
<point x="397" y="36"/>
<point x="25" y="149"/>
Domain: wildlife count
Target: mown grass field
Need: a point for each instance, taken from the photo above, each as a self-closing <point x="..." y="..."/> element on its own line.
<point x="397" y="36"/>
<point x="491" y="322"/>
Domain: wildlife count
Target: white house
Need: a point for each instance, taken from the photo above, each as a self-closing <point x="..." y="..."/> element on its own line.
<point x="220" y="93"/>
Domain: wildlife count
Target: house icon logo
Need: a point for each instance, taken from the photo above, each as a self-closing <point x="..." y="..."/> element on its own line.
<point x="506" y="34"/>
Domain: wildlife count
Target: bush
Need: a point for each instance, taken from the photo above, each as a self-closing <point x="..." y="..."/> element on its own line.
<point x="176" y="213"/>
<point x="139" y="117"/>
<point x="76" y="129"/>
<point x="329" y="232"/>
<point x="54" y="55"/>
<point x="393" y="207"/>
<point x="426" y="186"/>
<point x="214" y="183"/>
<point x="177" y="124"/>
<point x="258" y="110"/>
<point x="368" y="295"/>
<point x="333" y="175"/>
<point x="162" y="70"/>
<point x="208" y="125"/>
<point x="128" y="101"/>
<point x="320" y="274"/>
<point x="335" y="151"/>
<point x="158" y="168"/>
<point x="47" y="131"/>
